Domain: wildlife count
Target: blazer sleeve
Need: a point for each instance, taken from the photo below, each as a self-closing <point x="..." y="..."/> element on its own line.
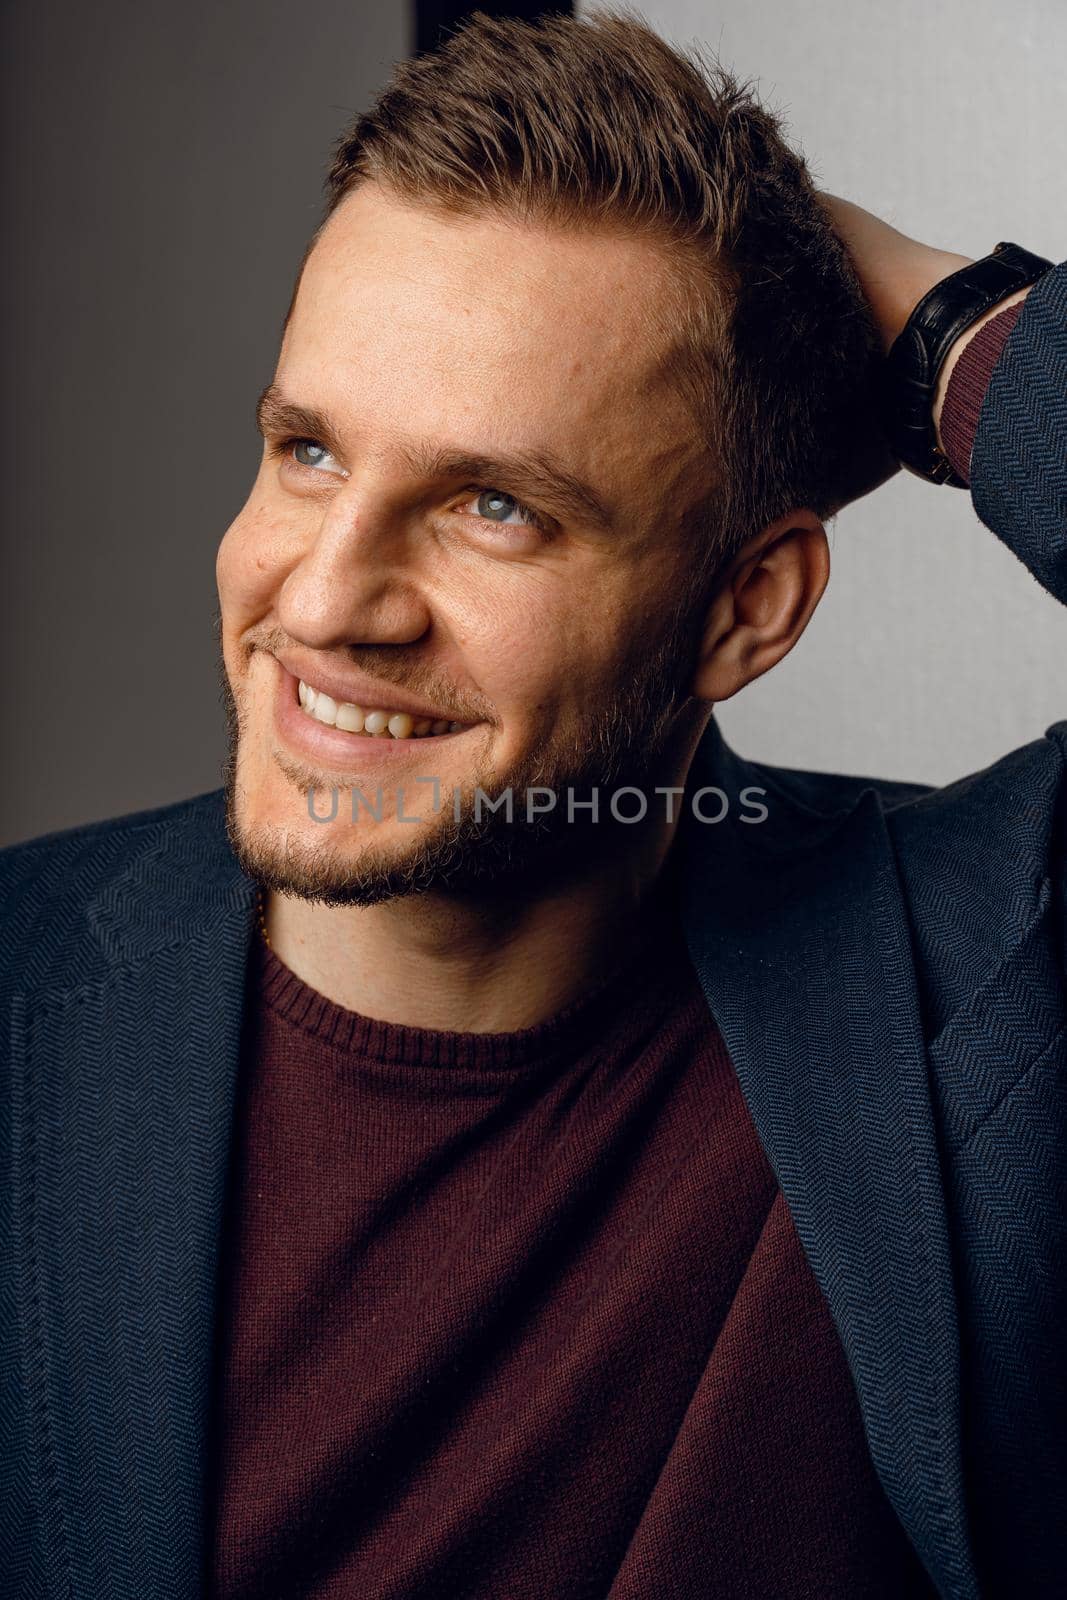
<point x="1004" y="828"/>
<point x="1018" y="469"/>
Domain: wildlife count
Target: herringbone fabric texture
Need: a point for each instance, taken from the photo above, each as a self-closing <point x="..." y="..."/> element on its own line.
<point x="987" y="900"/>
<point x="1019" y="461"/>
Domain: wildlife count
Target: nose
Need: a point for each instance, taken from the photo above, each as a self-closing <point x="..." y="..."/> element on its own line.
<point x="356" y="580"/>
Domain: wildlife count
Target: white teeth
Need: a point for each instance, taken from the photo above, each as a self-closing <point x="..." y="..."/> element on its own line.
<point x="350" y="718"/>
<point x="353" y="719"/>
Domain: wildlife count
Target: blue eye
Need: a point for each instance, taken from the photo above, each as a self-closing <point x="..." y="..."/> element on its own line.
<point x="308" y="454"/>
<point x="496" y="506"/>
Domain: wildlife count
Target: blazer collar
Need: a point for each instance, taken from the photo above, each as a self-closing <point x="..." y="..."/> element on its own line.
<point x="799" y="936"/>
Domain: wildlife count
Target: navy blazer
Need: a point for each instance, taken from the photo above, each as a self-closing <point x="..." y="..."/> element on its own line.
<point x="888" y="965"/>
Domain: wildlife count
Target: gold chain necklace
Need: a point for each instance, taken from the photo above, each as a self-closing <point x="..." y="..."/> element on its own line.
<point x="261" y="918"/>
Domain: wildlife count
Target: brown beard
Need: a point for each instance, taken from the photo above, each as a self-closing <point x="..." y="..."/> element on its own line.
<point x="490" y="855"/>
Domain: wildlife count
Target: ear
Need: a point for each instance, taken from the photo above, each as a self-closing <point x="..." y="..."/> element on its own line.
<point x="761" y="603"/>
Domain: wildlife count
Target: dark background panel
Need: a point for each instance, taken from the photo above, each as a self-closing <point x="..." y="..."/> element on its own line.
<point x="434" y="21"/>
<point x="163" y="171"/>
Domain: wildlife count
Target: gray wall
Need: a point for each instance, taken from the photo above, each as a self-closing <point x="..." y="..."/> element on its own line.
<point x="933" y="650"/>
<point x="164" y="172"/>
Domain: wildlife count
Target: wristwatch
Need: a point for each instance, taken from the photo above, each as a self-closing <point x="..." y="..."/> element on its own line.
<point x="911" y="369"/>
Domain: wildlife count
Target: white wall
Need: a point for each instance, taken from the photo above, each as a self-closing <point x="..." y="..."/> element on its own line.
<point x="933" y="650"/>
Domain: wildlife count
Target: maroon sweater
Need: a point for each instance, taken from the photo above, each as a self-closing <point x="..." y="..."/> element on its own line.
<point x="525" y="1316"/>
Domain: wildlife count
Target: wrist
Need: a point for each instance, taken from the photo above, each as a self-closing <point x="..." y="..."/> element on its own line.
<point x="919" y="273"/>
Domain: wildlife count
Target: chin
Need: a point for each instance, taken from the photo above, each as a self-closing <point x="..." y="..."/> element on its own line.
<point x="469" y="856"/>
<point x="405" y="847"/>
<point x="359" y="867"/>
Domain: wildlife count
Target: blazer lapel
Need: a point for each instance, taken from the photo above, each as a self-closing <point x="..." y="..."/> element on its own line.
<point x="127" y="1088"/>
<point x="799" y="937"/>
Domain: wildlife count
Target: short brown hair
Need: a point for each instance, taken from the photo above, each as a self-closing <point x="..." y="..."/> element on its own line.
<point x="599" y="122"/>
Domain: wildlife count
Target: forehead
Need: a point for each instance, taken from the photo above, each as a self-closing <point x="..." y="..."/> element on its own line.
<point x="490" y="333"/>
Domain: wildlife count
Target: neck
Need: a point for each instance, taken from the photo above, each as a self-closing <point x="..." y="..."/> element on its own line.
<point x="473" y="965"/>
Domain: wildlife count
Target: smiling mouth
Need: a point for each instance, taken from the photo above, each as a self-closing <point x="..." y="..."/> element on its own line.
<point x="378" y="721"/>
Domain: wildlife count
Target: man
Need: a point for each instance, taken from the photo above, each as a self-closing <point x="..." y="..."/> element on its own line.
<point x="505" y="1143"/>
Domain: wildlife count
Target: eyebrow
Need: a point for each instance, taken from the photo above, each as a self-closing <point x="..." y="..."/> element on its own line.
<point x="530" y="474"/>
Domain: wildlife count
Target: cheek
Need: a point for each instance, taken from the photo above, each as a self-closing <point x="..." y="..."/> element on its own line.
<point x="546" y="654"/>
<point x="250" y="564"/>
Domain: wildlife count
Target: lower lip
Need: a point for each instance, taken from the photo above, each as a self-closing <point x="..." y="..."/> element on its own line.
<point x="334" y="747"/>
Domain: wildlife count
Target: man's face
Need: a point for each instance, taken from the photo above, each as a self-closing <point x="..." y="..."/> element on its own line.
<point x="471" y="510"/>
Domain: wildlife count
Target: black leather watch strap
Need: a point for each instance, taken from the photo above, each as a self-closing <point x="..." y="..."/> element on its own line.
<point x="911" y="369"/>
